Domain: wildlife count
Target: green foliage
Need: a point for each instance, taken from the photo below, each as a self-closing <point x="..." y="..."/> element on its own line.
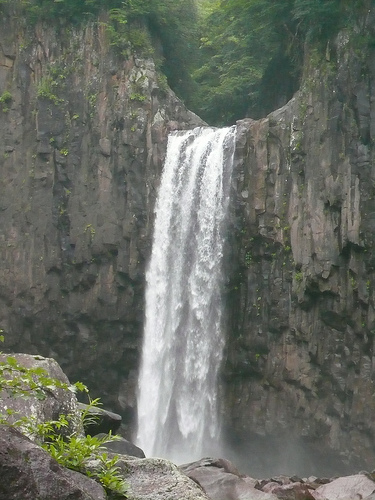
<point x="70" y="10"/>
<point x="5" y="100"/>
<point x="117" y="28"/>
<point x="73" y="451"/>
<point x="172" y="22"/>
<point x="47" y="88"/>
<point x="135" y="96"/>
<point x="5" y="97"/>
<point x="19" y="381"/>
<point x="175" y="24"/>
<point x="226" y="58"/>
<point x="251" y="51"/>
<point x="127" y="31"/>
<point x="108" y="474"/>
<point x="318" y="19"/>
<point x="299" y="276"/>
<point x="76" y="452"/>
<point x="240" y="39"/>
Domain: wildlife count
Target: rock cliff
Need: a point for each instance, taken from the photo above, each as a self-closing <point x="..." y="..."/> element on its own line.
<point x="300" y="363"/>
<point x="83" y="133"/>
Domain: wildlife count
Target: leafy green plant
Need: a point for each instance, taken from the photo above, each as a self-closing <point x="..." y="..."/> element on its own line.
<point x="5" y="100"/>
<point x="135" y="96"/>
<point x="108" y="474"/>
<point x="46" y="89"/>
<point x="299" y="276"/>
<point x="73" y="451"/>
<point x="18" y="380"/>
<point x="248" y="258"/>
<point x="91" y="231"/>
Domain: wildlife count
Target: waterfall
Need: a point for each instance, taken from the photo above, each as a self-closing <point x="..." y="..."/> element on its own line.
<point x="183" y="339"/>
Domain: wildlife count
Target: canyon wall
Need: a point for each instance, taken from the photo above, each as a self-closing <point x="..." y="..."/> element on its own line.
<point x="300" y="370"/>
<point x="83" y="134"/>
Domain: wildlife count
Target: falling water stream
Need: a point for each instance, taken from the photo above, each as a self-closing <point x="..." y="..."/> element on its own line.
<point x="183" y="339"/>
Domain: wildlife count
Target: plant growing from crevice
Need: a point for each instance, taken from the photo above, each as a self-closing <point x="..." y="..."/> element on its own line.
<point x="298" y="276"/>
<point x="5" y="100"/>
<point x="46" y="89"/>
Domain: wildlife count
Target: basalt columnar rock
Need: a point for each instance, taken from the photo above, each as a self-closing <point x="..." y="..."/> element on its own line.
<point x="299" y="376"/>
<point x="83" y="132"/>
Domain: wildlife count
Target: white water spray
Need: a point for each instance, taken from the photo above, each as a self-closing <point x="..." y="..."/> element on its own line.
<point x="183" y="339"/>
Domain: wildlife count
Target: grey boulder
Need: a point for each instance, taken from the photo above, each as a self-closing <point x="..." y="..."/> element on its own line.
<point x="28" y="472"/>
<point x="221" y="480"/>
<point x="57" y="401"/>
<point x="122" y="447"/>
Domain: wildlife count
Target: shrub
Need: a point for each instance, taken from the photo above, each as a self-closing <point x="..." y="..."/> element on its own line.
<point x="73" y="451"/>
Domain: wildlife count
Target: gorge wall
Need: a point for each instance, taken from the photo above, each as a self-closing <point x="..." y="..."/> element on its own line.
<point x="83" y="134"/>
<point x="300" y="362"/>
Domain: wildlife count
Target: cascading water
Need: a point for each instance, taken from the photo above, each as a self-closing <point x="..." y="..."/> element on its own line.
<point x="183" y="339"/>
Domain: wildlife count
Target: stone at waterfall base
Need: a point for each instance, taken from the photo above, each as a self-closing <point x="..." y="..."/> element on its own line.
<point x="222" y="481"/>
<point x="27" y="472"/>
<point x="158" y="479"/>
<point x="122" y="447"/>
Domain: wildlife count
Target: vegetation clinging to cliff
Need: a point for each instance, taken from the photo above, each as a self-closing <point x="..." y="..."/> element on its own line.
<point x="225" y="58"/>
<point x="141" y="24"/>
<point x="251" y="51"/>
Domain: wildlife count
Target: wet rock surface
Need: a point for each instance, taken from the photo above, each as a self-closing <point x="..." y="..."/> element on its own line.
<point x="299" y="373"/>
<point x="122" y="447"/>
<point x="83" y="139"/>
<point x="99" y="420"/>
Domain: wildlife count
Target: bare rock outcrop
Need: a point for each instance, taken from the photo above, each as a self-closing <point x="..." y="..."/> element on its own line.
<point x="29" y="472"/>
<point x="157" y="479"/>
<point x="221" y="481"/>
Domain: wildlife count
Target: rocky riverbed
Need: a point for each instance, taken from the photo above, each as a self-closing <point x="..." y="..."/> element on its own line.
<point x="28" y="472"/>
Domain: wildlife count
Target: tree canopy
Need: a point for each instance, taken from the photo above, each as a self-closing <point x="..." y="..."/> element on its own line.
<point x="225" y="58"/>
<point x="251" y="51"/>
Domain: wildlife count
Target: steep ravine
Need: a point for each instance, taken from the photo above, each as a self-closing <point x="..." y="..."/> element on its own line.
<point x="83" y="134"/>
<point x="299" y="377"/>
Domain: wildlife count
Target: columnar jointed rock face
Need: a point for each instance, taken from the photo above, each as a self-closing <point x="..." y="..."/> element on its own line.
<point x="301" y="359"/>
<point x="83" y="133"/>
